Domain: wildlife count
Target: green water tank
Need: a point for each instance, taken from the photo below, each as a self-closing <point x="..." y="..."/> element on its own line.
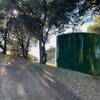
<point x="79" y="52"/>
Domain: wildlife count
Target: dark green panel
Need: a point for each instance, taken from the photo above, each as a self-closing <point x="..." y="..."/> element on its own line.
<point x="79" y="51"/>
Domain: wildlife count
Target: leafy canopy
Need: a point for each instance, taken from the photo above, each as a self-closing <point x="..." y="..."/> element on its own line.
<point x="95" y="28"/>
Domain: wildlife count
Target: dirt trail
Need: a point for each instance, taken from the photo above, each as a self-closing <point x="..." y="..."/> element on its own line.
<point x="20" y="80"/>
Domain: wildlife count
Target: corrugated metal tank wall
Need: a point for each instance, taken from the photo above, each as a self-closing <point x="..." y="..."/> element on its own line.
<point x="79" y="51"/>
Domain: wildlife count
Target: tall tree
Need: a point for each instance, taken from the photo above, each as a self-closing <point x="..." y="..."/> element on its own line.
<point x="21" y="34"/>
<point x="6" y="14"/>
<point x="15" y="20"/>
<point x="53" y="14"/>
<point x="47" y="15"/>
<point x="43" y="16"/>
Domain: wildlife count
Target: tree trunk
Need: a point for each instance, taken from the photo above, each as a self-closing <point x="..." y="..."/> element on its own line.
<point x="5" y="47"/>
<point x="25" y="54"/>
<point x="42" y="51"/>
<point x="25" y="48"/>
<point x="5" y="43"/>
<point x="1" y="46"/>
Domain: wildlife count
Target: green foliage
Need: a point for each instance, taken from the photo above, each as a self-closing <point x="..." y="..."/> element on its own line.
<point x="32" y="58"/>
<point x="90" y="5"/>
<point x="96" y="27"/>
<point x="14" y="52"/>
<point x="39" y="19"/>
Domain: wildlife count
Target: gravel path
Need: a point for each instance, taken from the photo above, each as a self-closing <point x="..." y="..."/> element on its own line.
<point x="20" y="80"/>
<point x="82" y="85"/>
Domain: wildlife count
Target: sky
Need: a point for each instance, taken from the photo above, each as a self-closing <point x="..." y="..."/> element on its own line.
<point x="52" y="40"/>
<point x="51" y="43"/>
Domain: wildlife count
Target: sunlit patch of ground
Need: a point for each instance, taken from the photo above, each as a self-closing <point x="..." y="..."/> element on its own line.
<point x="83" y="85"/>
<point x="23" y="77"/>
<point x="4" y="58"/>
<point x="51" y="65"/>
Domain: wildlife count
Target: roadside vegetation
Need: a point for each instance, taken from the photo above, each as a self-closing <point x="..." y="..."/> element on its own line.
<point x="24" y="22"/>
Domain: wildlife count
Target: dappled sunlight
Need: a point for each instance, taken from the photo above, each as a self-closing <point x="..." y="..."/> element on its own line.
<point x="7" y="63"/>
<point x="52" y="65"/>
<point x="44" y="83"/>
<point x="3" y="71"/>
<point x="20" y="90"/>
<point x="49" y="78"/>
<point x="48" y="73"/>
<point x="6" y="60"/>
